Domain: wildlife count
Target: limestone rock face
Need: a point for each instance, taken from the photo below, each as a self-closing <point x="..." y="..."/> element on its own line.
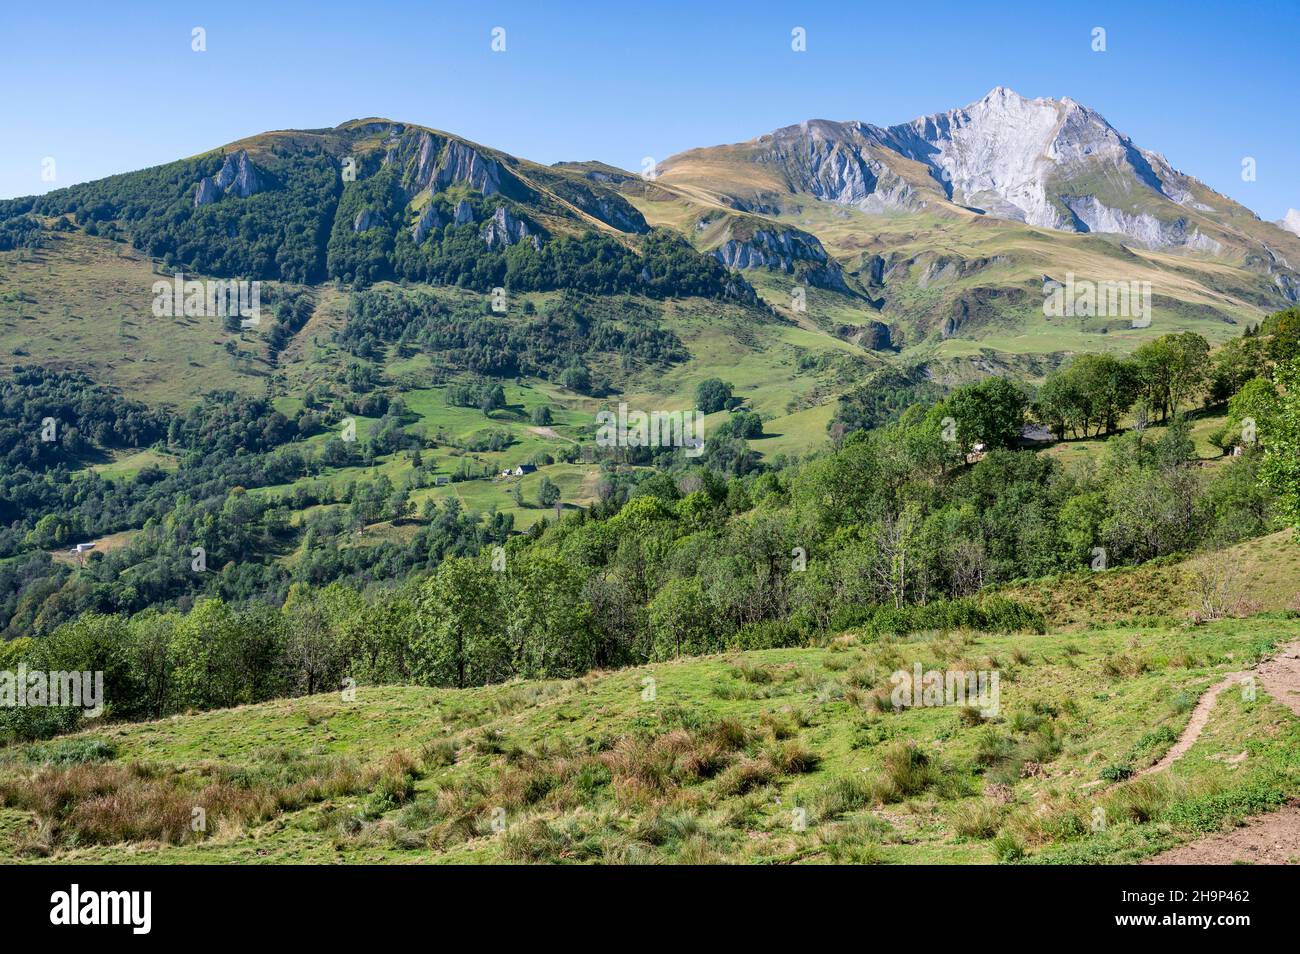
<point x="1050" y="163"/>
<point x="434" y="163"/>
<point x="207" y="192"/>
<point x="769" y="248"/>
<point x="237" y="176"/>
<point x="428" y="221"/>
<point x="463" y="213"/>
<point x="505" y="228"/>
<point x="838" y="162"/>
<point x="461" y="163"/>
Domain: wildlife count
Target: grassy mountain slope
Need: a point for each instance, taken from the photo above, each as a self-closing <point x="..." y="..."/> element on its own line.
<point x="766" y="756"/>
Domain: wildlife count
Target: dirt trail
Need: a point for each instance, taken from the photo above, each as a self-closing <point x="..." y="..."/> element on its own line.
<point x="1273" y="838"/>
<point x="1195" y="725"/>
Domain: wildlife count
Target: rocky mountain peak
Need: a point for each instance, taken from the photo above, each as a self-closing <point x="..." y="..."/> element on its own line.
<point x="237" y="176"/>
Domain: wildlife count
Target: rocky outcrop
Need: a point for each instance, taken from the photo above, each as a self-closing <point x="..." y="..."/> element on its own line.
<point x="944" y="268"/>
<point x="838" y="162"/>
<point x="982" y="306"/>
<point x="1092" y="216"/>
<point x="505" y="229"/>
<point x="464" y="213"/>
<point x="615" y="211"/>
<point x="590" y="192"/>
<point x="771" y="249"/>
<point x="784" y="250"/>
<point x="366" y="219"/>
<point x="463" y="164"/>
<point x="1050" y="163"/>
<point x="433" y="162"/>
<point x="874" y="336"/>
<point x="1021" y="159"/>
<point x="1288" y="286"/>
<point x="427" y="221"/>
<point x="237" y="176"/>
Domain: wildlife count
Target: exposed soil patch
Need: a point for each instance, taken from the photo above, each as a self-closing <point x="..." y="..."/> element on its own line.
<point x="1271" y="839"/>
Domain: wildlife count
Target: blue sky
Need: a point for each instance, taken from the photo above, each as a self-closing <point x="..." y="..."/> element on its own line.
<point x="110" y="87"/>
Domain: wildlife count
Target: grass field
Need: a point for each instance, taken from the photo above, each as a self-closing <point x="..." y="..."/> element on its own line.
<point x="1265" y="572"/>
<point x="769" y="756"/>
<point x="86" y="303"/>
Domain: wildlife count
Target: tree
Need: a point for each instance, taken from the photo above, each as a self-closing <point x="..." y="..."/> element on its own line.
<point x="313" y="645"/>
<point x="1109" y="385"/>
<point x="205" y="654"/>
<point x="1058" y="404"/>
<point x="547" y="620"/>
<point x="542" y="415"/>
<point x="991" y="412"/>
<point x="1280" y="470"/>
<point x="1237" y="362"/>
<point x="458" y="636"/>
<point x="150" y="654"/>
<point x="548" y="493"/>
<point x="1284" y="328"/>
<point x="680" y="620"/>
<point x="712" y="394"/>
<point x="1173" y="369"/>
<point x="576" y="378"/>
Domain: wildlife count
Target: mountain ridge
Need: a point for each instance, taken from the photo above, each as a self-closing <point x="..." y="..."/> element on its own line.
<point x="945" y="227"/>
<point x="1005" y="155"/>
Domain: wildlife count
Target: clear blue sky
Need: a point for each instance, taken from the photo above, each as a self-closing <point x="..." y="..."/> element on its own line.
<point x="107" y="87"/>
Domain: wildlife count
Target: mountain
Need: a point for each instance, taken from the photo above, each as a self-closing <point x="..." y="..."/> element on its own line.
<point x="935" y="239"/>
<point x="949" y="227"/>
<point x="1050" y="163"/>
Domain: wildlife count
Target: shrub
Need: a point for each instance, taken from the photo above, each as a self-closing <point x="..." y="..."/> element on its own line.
<point x="978" y="819"/>
<point x="437" y="753"/>
<point x="71" y="752"/>
<point x="1117" y="772"/>
<point x="906" y="771"/>
<point x="847" y="793"/>
<point x="1007" y="847"/>
<point x="745" y="775"/>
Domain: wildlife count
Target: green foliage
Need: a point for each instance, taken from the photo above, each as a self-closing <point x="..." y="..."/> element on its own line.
<point x="277" y="233"/>
<point x="1280" y="471"/>
<point x="881" y="400"/>
<point x="989" y="412"/>
<point x="1173" y="370"/>
<point x="1093" y="391"/>
<point x="712" y="395"/>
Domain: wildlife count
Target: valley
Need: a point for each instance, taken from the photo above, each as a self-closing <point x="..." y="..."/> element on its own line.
<point x="369" y="583"/>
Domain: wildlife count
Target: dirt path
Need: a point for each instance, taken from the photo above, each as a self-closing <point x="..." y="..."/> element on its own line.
<point x="1195" y="725"/>
<point x="1271" y="839"/>
<point x="1280" y="677"/>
